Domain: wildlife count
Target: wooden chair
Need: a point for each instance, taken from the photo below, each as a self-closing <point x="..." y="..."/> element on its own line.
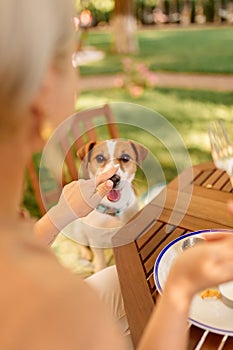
<point x="88" y="125"/>
<point x="148" y="234"/>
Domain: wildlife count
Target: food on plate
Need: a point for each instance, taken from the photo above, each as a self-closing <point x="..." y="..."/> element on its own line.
<point x="210" y="293"/>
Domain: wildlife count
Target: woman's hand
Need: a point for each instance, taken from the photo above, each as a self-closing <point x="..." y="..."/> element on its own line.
<point x="80" y="197"/>
<point x="204" y="265"/>
<point x="230" y="207"/>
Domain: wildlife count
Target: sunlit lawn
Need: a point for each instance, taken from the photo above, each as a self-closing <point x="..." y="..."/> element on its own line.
<point x="188" y="110"/>
<point x="207" y="50"/>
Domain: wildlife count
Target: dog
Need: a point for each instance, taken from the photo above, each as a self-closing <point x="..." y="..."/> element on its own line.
<point x="97" y="229"/>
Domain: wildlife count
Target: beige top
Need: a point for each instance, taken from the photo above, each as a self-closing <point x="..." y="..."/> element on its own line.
<point x="44" y="306"/>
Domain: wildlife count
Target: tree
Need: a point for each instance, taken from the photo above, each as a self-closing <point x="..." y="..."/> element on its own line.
<point x="209" y="10"/>
<point x="124" y="27"/>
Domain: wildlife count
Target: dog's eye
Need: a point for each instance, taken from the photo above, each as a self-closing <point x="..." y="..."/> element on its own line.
<point x="125" y="157"/>
<point x="100" y="158"/>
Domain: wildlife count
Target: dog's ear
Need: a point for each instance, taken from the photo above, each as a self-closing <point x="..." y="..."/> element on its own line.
<point x="85" y="151"/>
<point x="140" y="151"/>
<point x="84" y="154"/>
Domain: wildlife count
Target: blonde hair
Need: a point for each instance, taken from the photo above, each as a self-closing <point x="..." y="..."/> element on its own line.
<point x="34" y="34"/>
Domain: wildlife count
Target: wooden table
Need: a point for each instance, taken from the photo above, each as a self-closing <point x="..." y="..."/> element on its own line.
<point x="195" y="200"/>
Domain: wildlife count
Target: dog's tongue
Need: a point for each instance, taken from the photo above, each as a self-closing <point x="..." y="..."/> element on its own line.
<point x="114" y="195"/>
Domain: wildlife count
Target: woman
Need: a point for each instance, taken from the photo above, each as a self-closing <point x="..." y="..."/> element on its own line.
<point x="43" y="306"/>
<point x="39" y="82"/>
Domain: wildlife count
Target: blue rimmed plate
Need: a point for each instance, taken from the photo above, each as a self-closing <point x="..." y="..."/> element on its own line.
<point x="210" y="313"/>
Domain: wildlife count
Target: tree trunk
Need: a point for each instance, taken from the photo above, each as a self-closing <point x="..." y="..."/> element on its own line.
<point x="124" y="27"/>
<point x="193" y="11"/>
<point x="209" y="10"/>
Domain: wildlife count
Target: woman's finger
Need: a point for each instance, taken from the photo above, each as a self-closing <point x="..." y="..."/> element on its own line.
<point x="104" y="188"/>
<point x="230" y="207"/>
<point x="101" y="191"/>
<point x="106" y="175"/>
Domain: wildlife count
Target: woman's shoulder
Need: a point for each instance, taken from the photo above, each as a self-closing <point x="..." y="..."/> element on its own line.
<point x="27" y="261"/>
<point x="32" y="271"/>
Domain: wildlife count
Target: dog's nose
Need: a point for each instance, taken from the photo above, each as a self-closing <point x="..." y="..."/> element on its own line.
<point x="115" y="179"/>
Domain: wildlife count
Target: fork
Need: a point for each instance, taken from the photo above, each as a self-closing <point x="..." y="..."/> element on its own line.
<point x="221" y="147"/>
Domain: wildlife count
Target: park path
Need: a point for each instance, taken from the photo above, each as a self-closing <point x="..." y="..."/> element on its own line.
<point x="217" y="82"/>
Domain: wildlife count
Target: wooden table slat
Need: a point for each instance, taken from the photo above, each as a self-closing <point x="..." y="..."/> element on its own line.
<point x="202" y="177"/>
<point x="149" y="263"/>
<point x="155" y="241"/>
<point x="143" y="239"/>
<point x="160" y="237"/>
<point x="151" y="282"/>
<point x="227" y="187"/>
<point x="221" y="182"/>
<point x="213" y="178"/>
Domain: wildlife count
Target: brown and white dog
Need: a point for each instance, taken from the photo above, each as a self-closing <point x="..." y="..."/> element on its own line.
<point x="97" y="229"/>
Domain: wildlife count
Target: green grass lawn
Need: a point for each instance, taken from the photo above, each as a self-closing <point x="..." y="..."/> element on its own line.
<point x="204" y="50"/>
<point x="189" y="111"/>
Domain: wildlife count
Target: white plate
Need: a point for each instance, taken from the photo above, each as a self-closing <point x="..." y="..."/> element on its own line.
<point x="209" y="313"/>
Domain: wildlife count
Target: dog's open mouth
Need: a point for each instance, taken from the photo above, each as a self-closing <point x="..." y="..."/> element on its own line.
<point x="114" y="195"/>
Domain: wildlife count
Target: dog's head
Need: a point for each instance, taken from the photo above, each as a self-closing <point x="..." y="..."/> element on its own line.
<point x="101" y="156"/>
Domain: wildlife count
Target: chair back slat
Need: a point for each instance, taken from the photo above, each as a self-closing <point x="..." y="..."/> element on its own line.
<point x="69" y="160"/>
<point x="91" y="131"/>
